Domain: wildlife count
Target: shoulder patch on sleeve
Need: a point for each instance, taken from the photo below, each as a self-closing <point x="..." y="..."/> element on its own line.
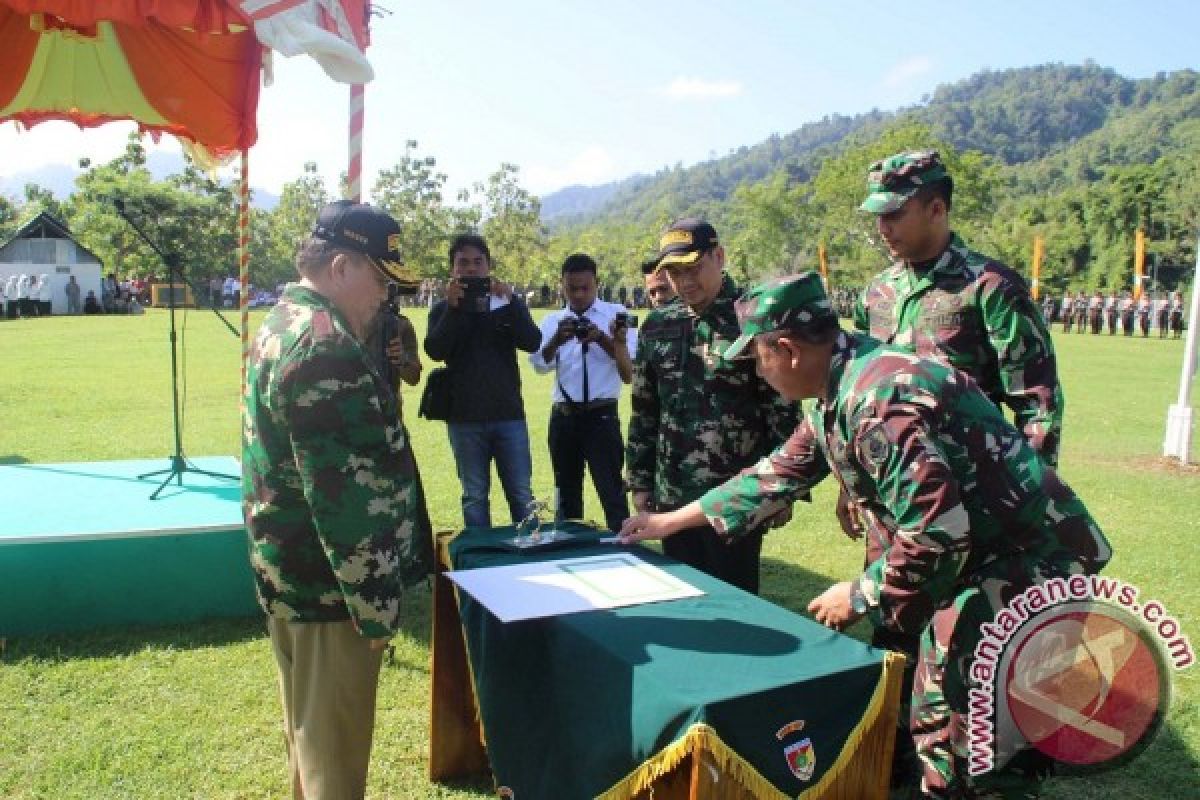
<point x="873" y="447"/>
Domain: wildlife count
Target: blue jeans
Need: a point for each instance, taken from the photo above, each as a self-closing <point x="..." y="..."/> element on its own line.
<point x="475" y="444"/>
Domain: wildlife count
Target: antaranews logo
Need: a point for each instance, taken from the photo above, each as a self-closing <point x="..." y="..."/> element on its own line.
<point x="1077" y="668"/>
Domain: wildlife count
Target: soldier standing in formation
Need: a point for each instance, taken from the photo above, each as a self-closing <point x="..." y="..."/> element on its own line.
<point x="921" y="446"/>
<point x="1096" y="312"/>
<point x="1128" y="307"/>
<point x="1162" y="316"/>
<point x="698" y="419"/>
<point x="1068" y="311"/>
<point x="1143" y="311"/>
<point x="1176" y="314"/>
<point x="1048" y="308"/>
<point x="1081" y="311"/>
<point x="1110" y="312"/>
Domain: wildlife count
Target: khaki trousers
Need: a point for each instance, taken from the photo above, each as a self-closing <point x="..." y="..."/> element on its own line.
<point x="328" y="675"/>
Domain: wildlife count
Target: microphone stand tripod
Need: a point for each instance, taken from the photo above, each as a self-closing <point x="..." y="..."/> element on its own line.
<point x="179" y="464"/>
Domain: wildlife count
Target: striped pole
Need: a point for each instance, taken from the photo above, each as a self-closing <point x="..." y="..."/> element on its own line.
<point x="824" y="264"/>
<point x="354" y="173"/>
<point x="1039" y="252"/>
<point x="244" y="260"/>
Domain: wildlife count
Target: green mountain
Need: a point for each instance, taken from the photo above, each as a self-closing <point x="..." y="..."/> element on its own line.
<point x="1016" y="115"/>
<point x="1075" y="153"/>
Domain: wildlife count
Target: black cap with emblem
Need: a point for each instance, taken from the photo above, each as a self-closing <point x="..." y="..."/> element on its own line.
<point x="368" y="230"/>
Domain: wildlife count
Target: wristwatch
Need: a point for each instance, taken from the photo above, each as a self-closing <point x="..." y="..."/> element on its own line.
<point x="858" y="600"/>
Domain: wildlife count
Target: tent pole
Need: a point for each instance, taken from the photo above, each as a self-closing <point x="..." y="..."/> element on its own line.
<point x="244" y="260"/>
<point x="354" y="172"/>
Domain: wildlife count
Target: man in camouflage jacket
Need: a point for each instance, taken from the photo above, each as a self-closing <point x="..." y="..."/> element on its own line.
<point x="698" y="419"/>
<point x="942" y="300"/>
<point x="972" y="515"/>
<point x="329" y="496"/>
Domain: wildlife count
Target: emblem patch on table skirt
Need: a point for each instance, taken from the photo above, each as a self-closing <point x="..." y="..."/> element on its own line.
<point x="801" y="759"/>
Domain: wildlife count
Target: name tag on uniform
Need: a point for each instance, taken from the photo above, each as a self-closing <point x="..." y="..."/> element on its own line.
<point x="674" y="329"/>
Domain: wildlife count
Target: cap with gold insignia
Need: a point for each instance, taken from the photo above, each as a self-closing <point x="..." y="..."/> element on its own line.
<point x="893" y="180"/>
<point x="684" y="241"/>
<point x="368" y="230"/>
<point x="793" y="302"/>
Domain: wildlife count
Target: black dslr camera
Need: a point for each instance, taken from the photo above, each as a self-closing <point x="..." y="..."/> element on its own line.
<point x="477" y="292"/>
<point x="579" y="326"/>
<point x="626" y="320"/>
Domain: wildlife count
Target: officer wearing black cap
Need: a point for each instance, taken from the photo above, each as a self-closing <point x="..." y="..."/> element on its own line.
<point x="332" y="502"/>
<point x="699" y="419"/>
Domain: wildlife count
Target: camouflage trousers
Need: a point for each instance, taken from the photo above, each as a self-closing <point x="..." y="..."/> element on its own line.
<point x="938" y="717"/>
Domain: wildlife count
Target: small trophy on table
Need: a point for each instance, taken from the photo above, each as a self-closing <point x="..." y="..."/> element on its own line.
<point x="531" y="536"/>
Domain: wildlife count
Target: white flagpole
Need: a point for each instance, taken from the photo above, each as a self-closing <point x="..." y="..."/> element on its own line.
<point x="1179" y="416"/>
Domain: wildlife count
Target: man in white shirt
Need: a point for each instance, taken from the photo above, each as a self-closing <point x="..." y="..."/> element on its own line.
<point x="10" y="297"/>
<point x="44" y="299"/>
<point x="589" y="345"/>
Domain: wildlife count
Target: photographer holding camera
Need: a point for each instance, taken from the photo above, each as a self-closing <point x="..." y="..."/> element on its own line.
<point x="589" y="345"/>
<point x="477" y="331"/>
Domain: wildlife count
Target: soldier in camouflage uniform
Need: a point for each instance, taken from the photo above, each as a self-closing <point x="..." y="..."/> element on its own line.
<point x="972" y="515"/>
<point x="942" y="300"/>
<point x="329" y="497"/>
<point x="697" y="419"/>
<point x="1128" y="309"/>
<point x="1081" y="312"/>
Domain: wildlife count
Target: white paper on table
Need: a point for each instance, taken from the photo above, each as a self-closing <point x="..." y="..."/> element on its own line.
<point x="536" y="589"/>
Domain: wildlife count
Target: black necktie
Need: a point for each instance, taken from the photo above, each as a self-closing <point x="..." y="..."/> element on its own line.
<point x="584" y="349"/>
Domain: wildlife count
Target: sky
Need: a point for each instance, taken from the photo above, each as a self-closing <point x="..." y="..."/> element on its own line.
<point x="576" y="92"/>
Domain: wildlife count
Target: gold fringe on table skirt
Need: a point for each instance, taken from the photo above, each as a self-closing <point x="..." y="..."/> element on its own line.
<point x="862" y="769"/>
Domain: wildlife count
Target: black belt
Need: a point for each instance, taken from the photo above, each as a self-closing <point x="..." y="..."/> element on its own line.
<point x="576" y="408"/>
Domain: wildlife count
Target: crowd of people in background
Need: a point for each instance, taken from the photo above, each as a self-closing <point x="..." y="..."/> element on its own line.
<point x="1080" y="312"/>
<point x="128" y="296"/>
<point x="26" y="296"/>
<point x="1113" y="312"/>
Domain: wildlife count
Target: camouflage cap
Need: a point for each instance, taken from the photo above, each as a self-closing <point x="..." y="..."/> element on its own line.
<point x="793" y="302"/>
<point x="893" y="180"/>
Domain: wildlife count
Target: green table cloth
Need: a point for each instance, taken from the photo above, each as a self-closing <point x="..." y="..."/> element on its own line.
<point x="581" y="705"/>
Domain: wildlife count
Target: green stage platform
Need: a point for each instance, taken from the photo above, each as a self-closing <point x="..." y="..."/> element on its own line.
<point x="83" y="546"/>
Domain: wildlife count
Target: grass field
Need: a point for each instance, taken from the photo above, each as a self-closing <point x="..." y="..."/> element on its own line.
<point x="193" y="712"/>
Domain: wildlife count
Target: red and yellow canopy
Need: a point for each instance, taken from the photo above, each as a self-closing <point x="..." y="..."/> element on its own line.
<point x="190" y="68"/>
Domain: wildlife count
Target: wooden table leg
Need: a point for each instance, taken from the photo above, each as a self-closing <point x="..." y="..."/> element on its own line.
<point x="455" y="742"/>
